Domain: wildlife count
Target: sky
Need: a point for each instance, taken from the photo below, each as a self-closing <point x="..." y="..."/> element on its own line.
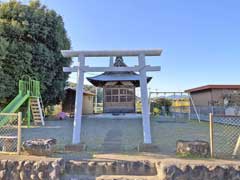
<point x="200" y="39"/>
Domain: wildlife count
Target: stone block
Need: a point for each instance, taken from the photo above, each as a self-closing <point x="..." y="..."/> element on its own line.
<point x="40" y="147"/>
<point x="192" y="148"/>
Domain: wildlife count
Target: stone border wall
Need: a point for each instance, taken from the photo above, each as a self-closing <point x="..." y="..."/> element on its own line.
<point x="40" y="170"/>
<point x="96" y="168"/>
<point x="24" y="170"/>
<point x="59" y="169"/>
<point x="198" y="172"/>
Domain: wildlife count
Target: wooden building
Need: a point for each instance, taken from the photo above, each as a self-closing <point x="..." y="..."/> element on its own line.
<point x="118" y="89"/>
<point x="212" y="95"/>
<point x="68" y="104"/>
<point x="217" y="99"/>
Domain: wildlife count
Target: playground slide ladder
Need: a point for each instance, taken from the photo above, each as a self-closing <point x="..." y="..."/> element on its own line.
<point x="41" y="104"/>
<point x="33" y="88"/>
<point x="37" y="111"/>
<point x="28" y="90"/>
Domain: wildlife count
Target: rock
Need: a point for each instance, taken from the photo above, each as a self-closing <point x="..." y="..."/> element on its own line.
<point x="2" y="174"/>
<point x="193" y="148"/>
<point x="10" y="165"/>
<point x="56" y="168"/>
<point x="54" y="175"/>
<point x="60" y="162"/>
<point x="22" y="175"/>
<point x="34" y="177"/>
<point x="3" y="164"/>
<point x="41" y="175"/>
<point x="40" y="147"/>
<point x="26" y="170"/>
<point x="172" y="172"/>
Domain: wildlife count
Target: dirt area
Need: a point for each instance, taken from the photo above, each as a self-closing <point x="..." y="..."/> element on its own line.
<point x="165" y="159"/>
<point x="132" y="157"/>
<point x="26" y="157"/>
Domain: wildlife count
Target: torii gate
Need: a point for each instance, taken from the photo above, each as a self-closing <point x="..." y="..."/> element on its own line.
<point x="142" y="68"/>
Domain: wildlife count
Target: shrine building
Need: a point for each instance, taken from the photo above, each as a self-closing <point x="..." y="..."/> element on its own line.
<point x="118" y="88"/>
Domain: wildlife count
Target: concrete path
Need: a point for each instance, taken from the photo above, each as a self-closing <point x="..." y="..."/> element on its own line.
<point x="112" y="141"/>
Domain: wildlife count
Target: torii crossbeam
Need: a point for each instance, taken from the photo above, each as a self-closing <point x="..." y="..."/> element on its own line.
<point x="142" y="68"/>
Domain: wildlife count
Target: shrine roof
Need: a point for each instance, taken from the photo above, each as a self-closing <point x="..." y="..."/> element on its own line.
<point x="105" y="77"/>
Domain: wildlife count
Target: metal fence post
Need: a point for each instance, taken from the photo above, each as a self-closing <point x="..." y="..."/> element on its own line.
<point x="237" y="146"/>
<point x="19" y="133"/>
<point x="211" y="134"/>
<point x="189" y="112"/>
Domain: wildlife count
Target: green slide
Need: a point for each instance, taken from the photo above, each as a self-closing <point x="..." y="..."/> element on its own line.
<point x="27" y="89"/>
<point x="13" y="107"/>
<point x="15" y="103"/>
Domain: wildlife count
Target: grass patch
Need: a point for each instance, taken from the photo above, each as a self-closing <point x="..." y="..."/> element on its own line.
<point x="190" y="156"/>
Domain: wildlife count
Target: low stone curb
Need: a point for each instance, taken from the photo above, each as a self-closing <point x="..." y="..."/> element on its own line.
<point x="60" y="169"/>
<point x="197" y="172"/>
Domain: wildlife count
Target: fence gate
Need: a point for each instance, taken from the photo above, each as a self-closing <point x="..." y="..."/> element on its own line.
<point x="225" y="136"/>
<point x="10" y="132"/>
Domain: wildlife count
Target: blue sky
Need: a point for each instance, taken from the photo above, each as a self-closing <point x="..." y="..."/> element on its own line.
<point x="200" y="39"/>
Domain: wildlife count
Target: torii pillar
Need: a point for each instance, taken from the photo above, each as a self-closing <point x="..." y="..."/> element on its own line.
<point x="144" y="99"/>
<point x="78" y="101"/>
<point x="142" y="68"/>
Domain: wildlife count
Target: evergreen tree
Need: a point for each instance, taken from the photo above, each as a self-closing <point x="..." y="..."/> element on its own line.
<point x="31" y="37"/>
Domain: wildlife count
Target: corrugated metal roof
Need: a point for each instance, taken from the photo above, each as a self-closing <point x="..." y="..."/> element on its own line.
<point x="202" y="88"/>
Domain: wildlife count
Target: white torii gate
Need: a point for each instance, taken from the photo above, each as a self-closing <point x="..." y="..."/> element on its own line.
<point x="142" y="68"/>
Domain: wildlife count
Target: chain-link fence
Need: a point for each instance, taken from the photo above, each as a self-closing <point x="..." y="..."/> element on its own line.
<point x="226" y="136"/>
<point x="10" y="132"/>
<point x="173" y="104"/>
<point x="202" y="112"/>
<point x="180" y="105"/>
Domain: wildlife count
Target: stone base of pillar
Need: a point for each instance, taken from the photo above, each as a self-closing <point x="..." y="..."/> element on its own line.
<point x="75" y="147"/>
<point x="148" y="148"/>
